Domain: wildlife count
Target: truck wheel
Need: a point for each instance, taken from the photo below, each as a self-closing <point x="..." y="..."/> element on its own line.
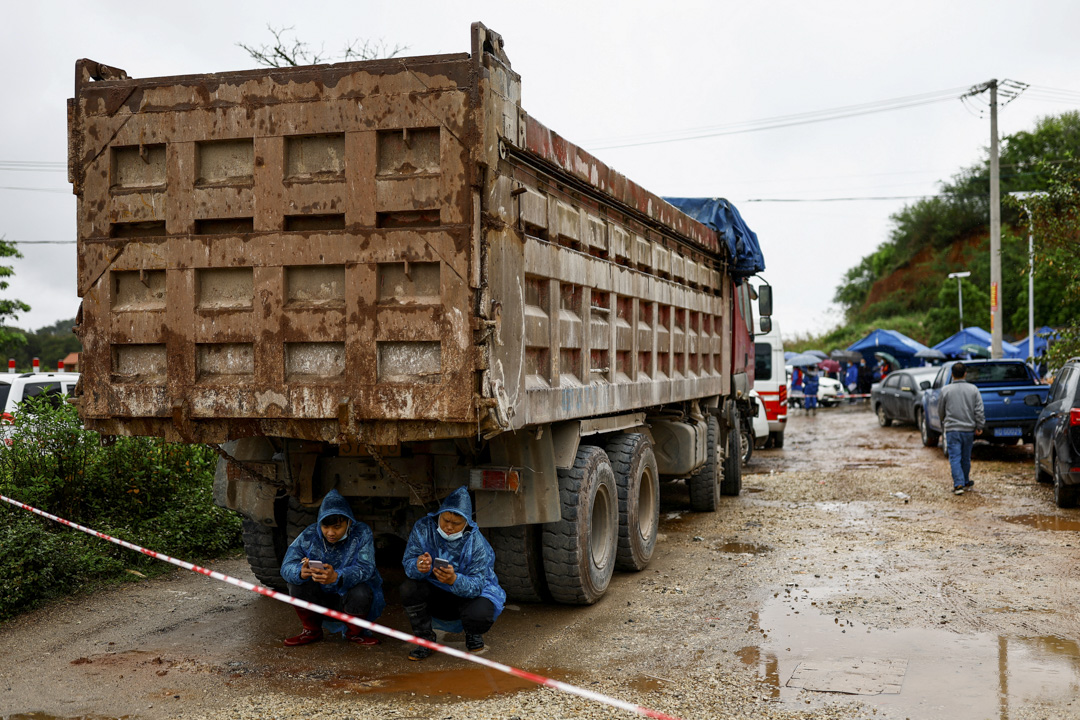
<point x="746" y="443"/>
<point x="265" y="547"/>
<point x="300" y="516"/>
<point x="704" y="485"/>
<point x="519" y="562"/>
<point x="929" y="437"/>
<point x="731" y="480"/>
<point x="637" y="480"/>
<point x="776" y="440"/>
<point x="1065" y="496"/>
<point x="882" y="417"/>
<point x="579" y="549"/>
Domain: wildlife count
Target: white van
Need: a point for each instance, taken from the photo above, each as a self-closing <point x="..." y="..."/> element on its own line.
<point x="770" y="381"/>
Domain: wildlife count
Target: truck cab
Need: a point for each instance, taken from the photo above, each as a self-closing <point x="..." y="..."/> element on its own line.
<point x="770" y="381"/>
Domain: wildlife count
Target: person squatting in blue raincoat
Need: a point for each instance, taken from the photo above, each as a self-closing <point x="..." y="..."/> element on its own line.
<point x="463" y="595"/>
<point x="348" y="582"/>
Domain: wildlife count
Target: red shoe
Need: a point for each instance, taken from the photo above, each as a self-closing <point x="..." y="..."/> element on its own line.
<point x="359" y="638"/>
<point x="304" y="638"/>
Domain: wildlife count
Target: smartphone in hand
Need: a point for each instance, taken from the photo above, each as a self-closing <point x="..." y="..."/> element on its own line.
<point x="442" y="563"/>
<point x="316" y="565"/>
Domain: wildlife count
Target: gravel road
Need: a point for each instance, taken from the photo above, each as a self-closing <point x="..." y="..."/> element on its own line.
<point x="846" y="566"/>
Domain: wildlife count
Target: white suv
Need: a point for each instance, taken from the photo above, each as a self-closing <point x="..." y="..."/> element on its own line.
<point x="16" y="388"/>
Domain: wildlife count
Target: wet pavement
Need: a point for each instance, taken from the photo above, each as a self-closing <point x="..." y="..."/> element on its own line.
<point x="846" y="581"/>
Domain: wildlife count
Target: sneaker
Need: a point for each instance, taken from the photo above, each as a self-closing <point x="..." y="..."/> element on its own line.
<point x="958" y="490"/>
<point x="969" y="483"/>
<point x="304" y="638"/>
<point x="474" y="643"/>
<point x="420" y="653"/>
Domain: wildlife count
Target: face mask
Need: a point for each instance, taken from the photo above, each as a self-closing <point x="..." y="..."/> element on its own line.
<point x="455" y="536"/>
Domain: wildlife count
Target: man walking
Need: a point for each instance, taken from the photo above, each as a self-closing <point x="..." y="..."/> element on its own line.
<point x="960" y="410"/>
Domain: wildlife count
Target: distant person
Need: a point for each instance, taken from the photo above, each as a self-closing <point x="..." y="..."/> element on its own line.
<point x="962" y="416"/>
<point x="810" y="390"/>
<point x="451" y="576"/>
<point x="866" y="378"/>
<point x="797" y="375"/>
<point x="851" y="379"/>
<point x="332" y="563"/>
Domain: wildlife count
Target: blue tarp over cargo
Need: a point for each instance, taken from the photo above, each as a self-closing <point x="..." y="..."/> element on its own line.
<point x="721" y="216"/>
<point x="953" y="345"/>
<point x="895" y="343"/>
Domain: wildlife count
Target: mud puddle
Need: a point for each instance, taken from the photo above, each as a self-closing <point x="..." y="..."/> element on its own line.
<point x="742" y="548"/>
<point x="944" y="674"/>
<point x="1045" y="522"/>
<point x="468" y="683"/>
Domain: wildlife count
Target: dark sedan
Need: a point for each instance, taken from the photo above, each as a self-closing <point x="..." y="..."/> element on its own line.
<point x="898" y="398"/>
<point x="1057" y="437"/>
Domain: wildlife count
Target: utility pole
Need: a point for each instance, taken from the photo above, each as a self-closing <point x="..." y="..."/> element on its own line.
<point x="995" y="229"/>
<point x="995" y="214"/>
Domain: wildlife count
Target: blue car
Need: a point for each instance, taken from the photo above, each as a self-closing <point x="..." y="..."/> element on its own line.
<point x="1057" y="437"/>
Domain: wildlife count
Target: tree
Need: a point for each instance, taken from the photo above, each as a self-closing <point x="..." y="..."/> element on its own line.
<point x="286" y="51"/>
<point x="10" y="338"/>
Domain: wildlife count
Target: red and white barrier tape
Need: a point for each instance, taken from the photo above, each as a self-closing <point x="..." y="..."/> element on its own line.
<point x="360" y="622"/>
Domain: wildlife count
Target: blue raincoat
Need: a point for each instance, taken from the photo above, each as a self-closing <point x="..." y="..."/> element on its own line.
<point x="353" y="556"/>
<point x="471" y="555"/>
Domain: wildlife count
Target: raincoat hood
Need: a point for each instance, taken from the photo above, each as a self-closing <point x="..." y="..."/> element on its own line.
<point x="334" y="504"/>
<point x="459" y="503"/>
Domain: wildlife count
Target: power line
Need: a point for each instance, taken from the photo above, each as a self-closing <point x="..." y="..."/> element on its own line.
<point x="782" y="121"/>
<point x="34" y="189"/>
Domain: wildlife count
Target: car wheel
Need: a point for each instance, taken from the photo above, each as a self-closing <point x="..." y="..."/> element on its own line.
<point x="1065" y="496"/>
<point x="882" y="417"/>
<point x="746" y="439"/>
<point x="929" y="437"/>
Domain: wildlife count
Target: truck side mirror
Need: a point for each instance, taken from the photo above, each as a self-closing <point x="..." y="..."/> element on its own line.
<point x="766" y="325"/>
<point x="764" y="293"/>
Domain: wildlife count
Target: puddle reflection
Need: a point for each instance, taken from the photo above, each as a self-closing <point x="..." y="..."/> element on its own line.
<point x="1044" y="522"/>
<point x="948" y="675"/>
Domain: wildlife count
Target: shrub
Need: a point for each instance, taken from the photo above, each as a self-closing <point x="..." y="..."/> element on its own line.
<point x="143" y="490"/>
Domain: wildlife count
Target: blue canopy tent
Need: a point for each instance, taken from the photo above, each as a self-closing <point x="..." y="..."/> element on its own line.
<point x="895" y="343"/>
<point x="1043" y="337"/>
<point x="953" y="346"/>
<point x="741" y="242"/>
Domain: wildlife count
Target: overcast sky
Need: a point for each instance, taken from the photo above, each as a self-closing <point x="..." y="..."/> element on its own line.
<point x="600" y="74"/>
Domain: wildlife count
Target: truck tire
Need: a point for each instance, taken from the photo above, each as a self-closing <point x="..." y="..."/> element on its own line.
<point x="731" y="480"/>
<point x="579" y="549"/>
<point x="930" y="437"/>
<point x="265" y="548"/>
<point x="637" y="481"/>
<point x="519" y="562"/>
<point x="776" y="440"/>
<point x="746" y="443"/>
<point x="704" y="485"/>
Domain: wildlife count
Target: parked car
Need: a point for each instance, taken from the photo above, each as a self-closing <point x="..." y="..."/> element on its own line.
<point x="1005" y="386"/>
<point x="16" y="388"/>
<point x="830" y="391"/>
<point x="898" y="398"/>
<point x="1057" y="437"/>
<point x="771" y="381"/>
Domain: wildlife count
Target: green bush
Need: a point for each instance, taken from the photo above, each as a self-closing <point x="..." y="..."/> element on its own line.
<point x="143" y="490"/>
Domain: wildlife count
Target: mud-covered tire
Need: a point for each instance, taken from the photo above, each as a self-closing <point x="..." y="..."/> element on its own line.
<point x="519" y="562"/>
<point x="704" y="485"/>
<point x="638" y="483"/>
<point x="746" y="443"/>
<point x="265" y="548"/>
<point x="1065" y="496"/>
<point x="579" y="549"/>
<point x="930" y="438"/>
<point x="731" y="477"/>
<point x="883" y="418"/>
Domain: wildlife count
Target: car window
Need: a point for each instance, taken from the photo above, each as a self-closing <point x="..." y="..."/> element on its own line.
<point x="998" y="372"/>
<point x="892" y="381"/>
<point x="50" y="389"/>
<point x="762" y="361"/>
<point x="905" y="381"/>
<point x="1061" y="384"/>
<point x="5" y="390"/>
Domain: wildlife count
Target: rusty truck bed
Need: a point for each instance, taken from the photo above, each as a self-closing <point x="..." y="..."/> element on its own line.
<point x="386" y="251"/>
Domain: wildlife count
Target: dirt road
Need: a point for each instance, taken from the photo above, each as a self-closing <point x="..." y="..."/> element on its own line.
<point x="845" y="566"/>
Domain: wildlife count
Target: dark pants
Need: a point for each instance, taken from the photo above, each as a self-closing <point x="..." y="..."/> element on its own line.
<point x="357" y="600"/>
<point x="477" y="614"/>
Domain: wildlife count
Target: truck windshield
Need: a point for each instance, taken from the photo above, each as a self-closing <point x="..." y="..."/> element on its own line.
<point x="762" y="361"/>
<point x="998" y="373"/>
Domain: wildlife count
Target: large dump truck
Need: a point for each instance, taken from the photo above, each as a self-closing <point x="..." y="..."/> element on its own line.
<point x="386" y="277"/>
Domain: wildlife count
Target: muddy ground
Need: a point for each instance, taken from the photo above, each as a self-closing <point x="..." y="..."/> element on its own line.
<point x="846" y="564"/>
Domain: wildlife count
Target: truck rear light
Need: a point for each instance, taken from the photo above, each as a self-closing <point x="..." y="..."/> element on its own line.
<point x="1074" y="417"/>
<point x="783" y="395"/>
<point x="494" y="479"/>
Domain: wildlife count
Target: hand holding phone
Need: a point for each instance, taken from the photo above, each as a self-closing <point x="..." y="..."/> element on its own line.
<point x="316" y="565"/>
<point x="441" y="563"/>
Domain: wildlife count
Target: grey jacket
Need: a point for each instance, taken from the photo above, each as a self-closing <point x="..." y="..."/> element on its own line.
<point x="960" y="407"/>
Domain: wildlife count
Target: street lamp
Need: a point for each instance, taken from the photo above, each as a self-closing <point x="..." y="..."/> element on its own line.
<point x="960" y="293"/>
<point x="1023" y="195"/>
